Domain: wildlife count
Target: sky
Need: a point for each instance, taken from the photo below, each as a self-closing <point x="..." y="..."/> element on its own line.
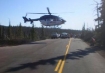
<point x="84" y="11"/>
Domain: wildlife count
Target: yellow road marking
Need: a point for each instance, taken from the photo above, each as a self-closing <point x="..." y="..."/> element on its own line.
<point x="61" y="68"/>
<point x="66" y="51"/>
<point x="67" y="46"/>
<point x="58" y="65"/>
<point x="63" y="62"/>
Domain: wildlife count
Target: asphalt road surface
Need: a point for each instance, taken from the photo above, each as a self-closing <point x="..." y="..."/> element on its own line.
<point x="51" y="56"/>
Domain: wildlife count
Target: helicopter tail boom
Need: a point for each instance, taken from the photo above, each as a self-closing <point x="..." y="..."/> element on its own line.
<point x="31" y="20"/>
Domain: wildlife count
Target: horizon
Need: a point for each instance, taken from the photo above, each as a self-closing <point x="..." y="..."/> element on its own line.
<point x="39" y="27"/>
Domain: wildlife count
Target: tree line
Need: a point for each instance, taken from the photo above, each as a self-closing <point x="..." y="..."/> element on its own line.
<point x="99" y="32"/>
<point x="20" y="34"/>
<point x="16" y="32"/>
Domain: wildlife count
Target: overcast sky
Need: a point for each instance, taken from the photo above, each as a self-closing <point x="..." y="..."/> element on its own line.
<point x="83" y="10"/>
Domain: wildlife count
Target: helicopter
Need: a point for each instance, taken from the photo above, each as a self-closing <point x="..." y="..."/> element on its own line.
<point x="46" y="20"/>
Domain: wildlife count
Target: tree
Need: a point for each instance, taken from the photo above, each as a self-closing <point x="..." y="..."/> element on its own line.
<point x="33" y="33"/>
<point x="83" y="31"/>
<point x="87" y="34"/>
<point x="42" y="33"/>
<point x="103" y="20"/>
<point x="9" y="31"/>
<point x="1" y="32"/>
<point x="100" y="31"/>
<point x="20" y="32"/>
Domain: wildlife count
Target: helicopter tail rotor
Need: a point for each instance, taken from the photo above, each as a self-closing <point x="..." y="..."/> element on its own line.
<point x="25" y="19"/>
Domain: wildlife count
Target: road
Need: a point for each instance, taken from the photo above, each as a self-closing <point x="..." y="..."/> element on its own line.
<point x="51" y="56"/>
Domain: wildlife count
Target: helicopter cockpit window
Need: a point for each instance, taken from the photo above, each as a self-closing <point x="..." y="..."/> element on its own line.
<point x="53" y="19"/>
<point x="49" y="20"/>
<point x="60" y="19"/>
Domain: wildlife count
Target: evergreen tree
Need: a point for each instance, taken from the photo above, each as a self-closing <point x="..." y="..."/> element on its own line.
<point x="29" y="36"/>
<point x="3" y="32"/>
<point x="20" y="32"/>
<point x="1" y="36"/>
<point x="33" y="33"/>
<point x="25" y="35"/>
<point x="100" y="31"/>
<point x="42" y="33"/>
<point x="83" y="31"/>
<point x="103" y="24"/>
<point x="9" y="31"/>
<point x="17" y="32"/>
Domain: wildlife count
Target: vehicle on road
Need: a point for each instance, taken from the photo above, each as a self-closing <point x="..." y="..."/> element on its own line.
<point x="55" y="35"/>
<point x="65" y="35"/>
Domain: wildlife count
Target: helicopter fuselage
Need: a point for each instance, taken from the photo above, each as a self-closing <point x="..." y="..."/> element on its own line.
<point x="51" y="20"/>
<point x="47" y="20"/>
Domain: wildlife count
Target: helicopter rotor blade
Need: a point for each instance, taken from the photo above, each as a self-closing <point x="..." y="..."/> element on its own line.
<point x="48" y="11"/>
<point x="63" y="13"/>
<point x="37" y="13"/>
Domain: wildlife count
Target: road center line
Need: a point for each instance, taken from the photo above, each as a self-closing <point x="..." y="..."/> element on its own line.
<point x="58" y="65"/>
<point x="67" y="46"/>
<point x="63" y="62"/>
<point x="60" y="61"/>
<point x="61" y="68"/>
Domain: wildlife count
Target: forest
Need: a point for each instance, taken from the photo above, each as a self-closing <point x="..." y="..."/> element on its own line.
<point x="99" y="32"/>
<point x="11" y="35"/>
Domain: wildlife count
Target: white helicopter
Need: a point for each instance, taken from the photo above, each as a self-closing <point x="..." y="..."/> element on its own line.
<point x="46" y="20"/>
